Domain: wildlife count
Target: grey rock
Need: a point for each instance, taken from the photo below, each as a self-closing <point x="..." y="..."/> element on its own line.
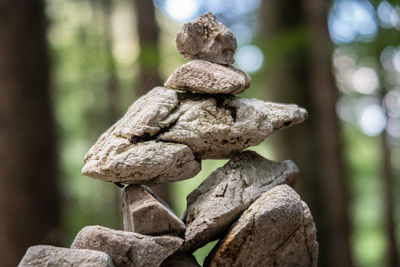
<point x="205" y="77"/>
<point x="208" y="39"/>
<point x="220" y="127"/>
<point x="128" y="153"/>
<point x="227" y="192"/>
<point x="145" y="213"/>
<point x="276" y="230"/>
<point x="127" y="248"/>
<point x="54" y="256"/>
<point x="180" y="260"/>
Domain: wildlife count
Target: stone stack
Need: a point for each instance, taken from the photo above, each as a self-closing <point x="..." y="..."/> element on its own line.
<point x="247" y="204"/>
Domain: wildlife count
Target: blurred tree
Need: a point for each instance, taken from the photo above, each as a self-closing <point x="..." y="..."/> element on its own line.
<point x="29" y="200"/>
<point x="149" y="61"/>
<point x="299" y="51"/>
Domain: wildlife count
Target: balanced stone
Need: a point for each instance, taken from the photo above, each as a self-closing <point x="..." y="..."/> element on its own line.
<point x="276" y="230"/>
<point x="220" y="127"/>
<point x="208" y="39"/>
<point x="205" y="77"/>
<point x="64" y="257"/>
<point x="127" y="248"/>
<point x="145" y="213"/>
<point x="227" y="192"/>
<point x="180" y="259"/>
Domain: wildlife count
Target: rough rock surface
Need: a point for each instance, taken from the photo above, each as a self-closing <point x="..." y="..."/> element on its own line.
<point x="145" y="213"/>
<point x="126" y="154"/>
<point x="55" y="256"/>
<point x="221" y="126"/>
<point x="127" y="248"/>
<point x="227" y="192"/>
<point x="208" y="39"/>
<point x="276" y="230"/>
<point x="201" y="76"/>
<point x="180" y="260"/>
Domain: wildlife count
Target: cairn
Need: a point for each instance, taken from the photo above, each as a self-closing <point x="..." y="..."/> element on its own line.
<point x="248" y="204"/>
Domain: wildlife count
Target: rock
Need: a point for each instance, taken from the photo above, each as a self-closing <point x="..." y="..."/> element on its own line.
<point x="222" y="126"/>
<point x="180" y="260"/>
<point x="55" y="256"/>
<point x="128" y="152"/>
<point x="205" y="77"/>
<point x="116" y="159"/>
<point x="227" y="192"/>
<point x="276" y="230"/>
<point x="127" y="248"/>
<point x="146" y="214"/>
<point x="208" y="39"/>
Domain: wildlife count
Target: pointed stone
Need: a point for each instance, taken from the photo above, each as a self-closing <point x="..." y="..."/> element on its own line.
<point x="227" y="192"/>
<point x="180" y="260"/>
<point x="208" y="39"/>
<point x="220" y="127"/>
<point x="201" y="76"/>
<point x="127" y="248"/>
<point x="146" y="214"/>
<point x="64" y="257"/>
<point x="276" y="230"/>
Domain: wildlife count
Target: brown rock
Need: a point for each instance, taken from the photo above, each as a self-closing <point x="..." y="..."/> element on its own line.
<point x="227" y="192"/>
<point x="64" y="257"/>
<point x="127" y="248"/>
<point x="276" y="230"/>
<point x="147" y="214"/>
<point x="208" y="39"/>
<point x="208" y="78"/>
<point x="180" y="260"/>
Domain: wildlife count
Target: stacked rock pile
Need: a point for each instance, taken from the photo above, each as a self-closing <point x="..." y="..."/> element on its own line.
<point x="248" y="203"/>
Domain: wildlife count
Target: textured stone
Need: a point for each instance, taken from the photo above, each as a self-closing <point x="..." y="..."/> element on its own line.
<point x="205" y="77"/>
<point x="276" y="230"/>
<point x="55" y="256"/>
<point x="125" y="153"/>
<point x="227" y="192"/>
<point x="145" y="213"/>
<point x="180" y="260"/>
<point x="208" y="39"/>
<point x="220" y="127"/>
<point x="127" y="248"/>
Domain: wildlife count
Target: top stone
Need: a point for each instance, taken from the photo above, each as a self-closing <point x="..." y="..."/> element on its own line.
<point x="208" y="39"/>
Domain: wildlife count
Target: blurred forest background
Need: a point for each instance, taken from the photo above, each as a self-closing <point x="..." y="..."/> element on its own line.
<point x="69" y="69"/>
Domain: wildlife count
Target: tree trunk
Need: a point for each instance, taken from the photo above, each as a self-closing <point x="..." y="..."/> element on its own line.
<point x="149" y="60"/>
<point x="302" y="75"/>
<point x="29" y="201"/>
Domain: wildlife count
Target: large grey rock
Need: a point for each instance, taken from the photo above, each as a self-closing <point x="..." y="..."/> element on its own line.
<point x="180" y="260"/>
<point x="227" y="192"/>
<point x="127" y="248"/>
<point x="276" y="230"/>
<point x="128" y="153"/>
<point x="205" y="77"/>
<point x="221" y="126"/>
<point x="54" y="256"/>
<point x="145" y="213"/>
<point x="208" y="39"/>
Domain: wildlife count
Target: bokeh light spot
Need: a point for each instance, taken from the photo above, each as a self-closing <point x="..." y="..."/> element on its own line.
<point x="249" y="58"/>
<point x="181" y="10"/>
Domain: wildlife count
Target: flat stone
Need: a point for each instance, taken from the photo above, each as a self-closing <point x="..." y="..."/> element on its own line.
<point x="276" y="230"/>
<point x="180" y="260"/>
<point x="208" y="39"/>
<point x="127" y="248"/>
<point x="227" y="192"/>
<point x="205" y="77"/>
<point x="221" y="126"/>
<point x="145" y="213"/>
<point x="55" y="256"/>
